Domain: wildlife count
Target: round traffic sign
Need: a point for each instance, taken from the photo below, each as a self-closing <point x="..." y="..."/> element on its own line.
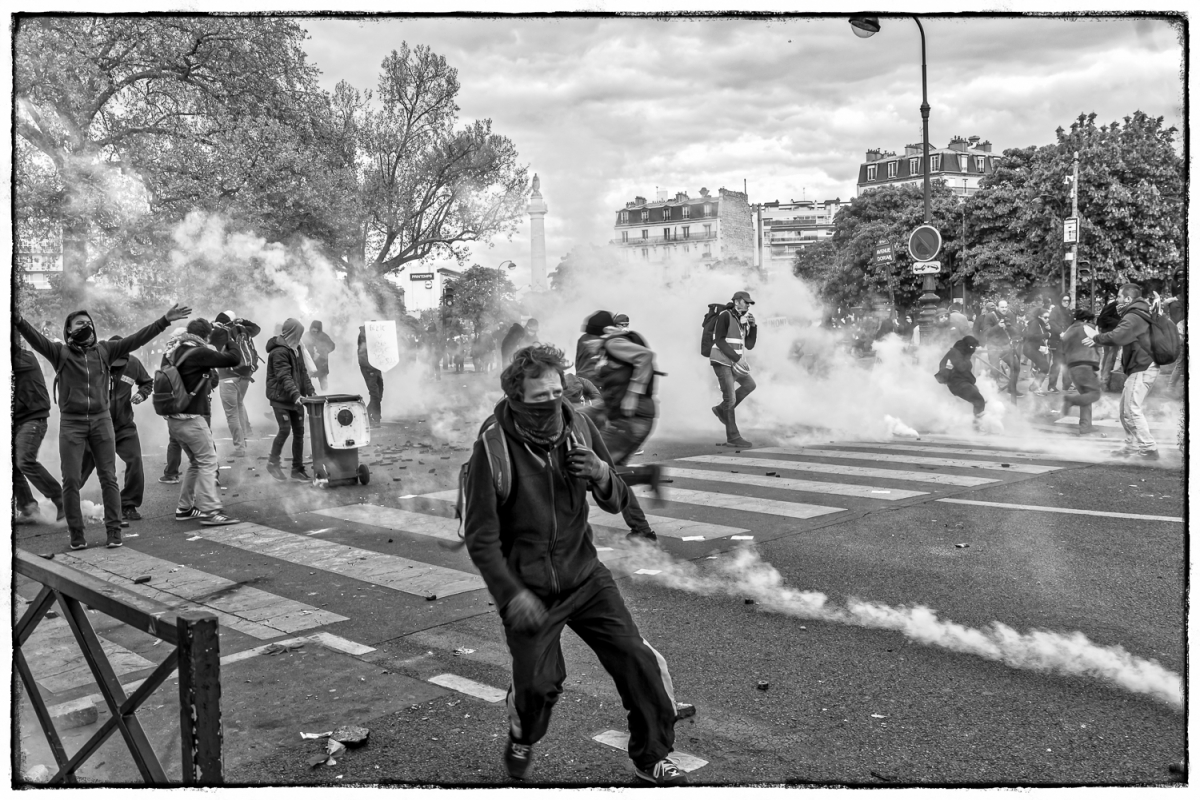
<point x="924" y="243"/>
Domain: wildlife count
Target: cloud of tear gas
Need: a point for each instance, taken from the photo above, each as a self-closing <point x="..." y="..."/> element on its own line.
<point x="746" y="575"/>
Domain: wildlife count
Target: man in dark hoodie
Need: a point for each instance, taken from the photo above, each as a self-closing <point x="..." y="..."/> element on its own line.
<point x="535" y="551"/>
<point x="734" y="333"/>
<point x="235" y="381"/>
<point x="287" y="382"/>
<point x="82" y="384"/>
<point x="955" y="371"/>
<point x="1137" y="362"/>
<point x="31" y="409"/>
<point x="1084" y="363"/>
<point x="374" y="379"/>
<point x="127" y="372"/>
<point x="319" y="346"/>
<point x="197" y="354"/>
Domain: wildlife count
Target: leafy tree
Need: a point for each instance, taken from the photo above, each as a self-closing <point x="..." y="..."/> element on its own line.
<point x="482" y="297"/>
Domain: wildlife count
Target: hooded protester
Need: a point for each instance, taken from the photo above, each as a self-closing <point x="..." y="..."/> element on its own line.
<point x="374" y="379"/>
<point x="534" y="550"/>
<point x="319" y="346"/>
<point x="287" y="382"/>
<point x="197" y="355"/>
<point x="734" y="333"/>
<point x="956" y="373"/>
<point x="235" y="381"/>
<point x="31" y="410"/>
<point x="127" y="372"/>
<point x="174" y="451"/>
<point x="1137" y="362"/>
<point x="511" y="343"/>
<point x="82" y="385"/>
<point x="1084" y="363"/>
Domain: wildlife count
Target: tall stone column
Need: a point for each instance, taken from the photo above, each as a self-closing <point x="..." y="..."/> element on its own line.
<point x="537" y="237"/>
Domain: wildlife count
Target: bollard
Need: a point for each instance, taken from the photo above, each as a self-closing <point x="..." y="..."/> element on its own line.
<point x="200" y="699"/>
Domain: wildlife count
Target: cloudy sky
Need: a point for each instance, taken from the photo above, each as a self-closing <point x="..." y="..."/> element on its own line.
<point x="604" y="109"/>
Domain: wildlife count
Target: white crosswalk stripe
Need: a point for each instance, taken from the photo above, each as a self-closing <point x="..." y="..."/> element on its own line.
<point x="792" y="484"/>
<point x="954" y="451"/>
<point x="758" y="505"/>
<point x="819" y="452"/>
<point x="395" y="519"/>
<point x="666" y="526"/>
<point x="843" y="469"/>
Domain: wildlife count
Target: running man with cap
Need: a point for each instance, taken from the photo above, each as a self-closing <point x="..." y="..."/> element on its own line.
<point x="734" y="333"/>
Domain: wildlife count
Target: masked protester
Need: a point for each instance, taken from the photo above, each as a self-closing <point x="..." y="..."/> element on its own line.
<point x="82" y="366"/>
<point x="31" y="410"/>
<point x="374" y="379"/>
<point x="734" y="333"/>
<point x="235" y="381"/>
<point x="127" y="373"/>
<point x="534" y="550"/>
<point x="1137" y="362"/>
<point x="287" y="382"/>
<point x="955" y="371"/>
<point x="319" y="346"/>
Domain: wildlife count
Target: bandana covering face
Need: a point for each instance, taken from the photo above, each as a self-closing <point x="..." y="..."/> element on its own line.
<point x="540" y="423"/>
<point x="84" y="337"/>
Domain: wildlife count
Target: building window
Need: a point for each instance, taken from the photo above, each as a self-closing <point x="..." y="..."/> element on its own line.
<point x="979" y="160"/>
<point x="686" y="211"/>
<point x="666" y="234"/>
<point x="645" y="254"/>
<point x="687" y="231"/>
<point x="708" y="209"/>
<point x="646" y="216"/>
<point x="914" y="166"/>
<point x="624" y="218"/>
<point x="687" y="248"/>
<point x="892" y="165"/>
<point x="962" y="163"/>
<point x="625" y="237"/>
<point x="872" y="172"/>
<point x="666" y="214"/>
<point x="707" y="231"/>
<point x="645" y="234"/>
<point x="935" y="163"/>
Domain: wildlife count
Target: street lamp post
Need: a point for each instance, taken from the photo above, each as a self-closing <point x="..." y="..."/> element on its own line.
<point x="865" y="27"/>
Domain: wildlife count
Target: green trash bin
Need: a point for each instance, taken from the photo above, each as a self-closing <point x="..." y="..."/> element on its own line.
<point x="338" y="427"/>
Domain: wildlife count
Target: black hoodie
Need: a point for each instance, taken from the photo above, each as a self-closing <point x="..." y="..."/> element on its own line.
<point x="30" y="398"/>
<point x="83" y="372"/>
<point x="956" y="364"/>
<point x="539" y="539"/>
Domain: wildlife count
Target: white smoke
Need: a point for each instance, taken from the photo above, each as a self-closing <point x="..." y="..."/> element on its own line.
<point x="744" y="574"/>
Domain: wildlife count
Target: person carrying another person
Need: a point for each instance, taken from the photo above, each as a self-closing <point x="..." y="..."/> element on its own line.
<point x="82" y="387"/>
<point x="1137" y="362"/>
<point x="318" y="344"/>
<point x="235" y="381"/>
<point x="734" y="332"/>
<point x="31" y="410"/>
<point x="287" y="382"/>
<point x="955" y="372"/>
<point x="534" y="548"/>
<point x="1084" y="364"/>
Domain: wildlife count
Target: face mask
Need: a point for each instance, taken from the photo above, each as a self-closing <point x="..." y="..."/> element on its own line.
<point x="83" y="336"/>
<point x="541" y="423"/>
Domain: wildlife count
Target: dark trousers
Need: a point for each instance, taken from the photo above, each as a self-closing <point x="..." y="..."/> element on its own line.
<point x="27" y="440"/>
<point x="1087" y="382"/>
<point x="1108" y="363"/>
<point x="734" y="388"/>
<point x="968" y="392"/>
<point x="1038" y="360"/>
<point x="1003" y="354"/>
<point x="291" y="421"/>
<point x="75" y="438"/>
<point x="374" y="379"/>
<point x="129" y="450"/>
<point x="1058" y="366"/>
<point x="623" y="436"/>
<point x="175" y="453"/>
<point x="596" y="612"/>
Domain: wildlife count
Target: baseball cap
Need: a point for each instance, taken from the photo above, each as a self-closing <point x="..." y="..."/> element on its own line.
<point x="621" y="319"/>
<point x="743" y="296"/>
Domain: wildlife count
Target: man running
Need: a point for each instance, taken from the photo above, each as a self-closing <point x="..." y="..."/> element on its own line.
<point x="956" y="373"/>
<point x="734" y="333"/>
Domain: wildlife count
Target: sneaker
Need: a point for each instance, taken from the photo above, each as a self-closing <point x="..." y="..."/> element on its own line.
<point x="274" y="471"/>
<point x="518" y="758"/>
<point x="299" y="474"/>
<point x="131" y="514"/>
<point x="169" y="479"/>
<point x="664" y="773"/>
<point x="719" y="413"/>
<point x="185" y="514"/>
<point x="645" y="536"/>
<point x="239" y="453"/>
<point x="1148" y="455"/>
<point x="1084" y="430"/>
<point x="114" y="540"/>
<point x="739" y="442"/>
<point x="684" y="710"/>
<point x="77" y="540"/>
<point x="218" y="518"/>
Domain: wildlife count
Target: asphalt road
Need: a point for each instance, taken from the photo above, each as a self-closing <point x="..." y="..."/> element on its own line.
<point x="845" y="704"/>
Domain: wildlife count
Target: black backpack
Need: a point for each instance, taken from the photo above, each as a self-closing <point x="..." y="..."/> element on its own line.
<point x="170" y="395"/>
<point x="1164" y="337"/>
<point x="709" y="325"/>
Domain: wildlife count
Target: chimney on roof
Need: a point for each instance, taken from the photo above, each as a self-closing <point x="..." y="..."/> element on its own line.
<point x="680" y="197"/>
<point x="639" y="201"/>
<point x="703" y="192"/>
<point x="630" y="204"/>
<point x="873" y="155"/>
<point x="973" y="140"/>
<point x="958" y="143"/>
<point x="912" y="149"/>
<point x="985" y="147"/>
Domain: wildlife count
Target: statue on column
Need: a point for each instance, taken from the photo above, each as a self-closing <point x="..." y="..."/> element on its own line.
<point x="537" y="186"/>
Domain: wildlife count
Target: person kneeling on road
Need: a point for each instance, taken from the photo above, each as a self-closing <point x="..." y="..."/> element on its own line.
<point x="534" y="550"/>
<point x="955" y="372"/>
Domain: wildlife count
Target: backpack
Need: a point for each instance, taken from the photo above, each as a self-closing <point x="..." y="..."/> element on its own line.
<point x="170" y="395"/>
<point x="709" y="325"/>
<point x="250" y="359"/>
<point x="495" y="444"/>
<point x="1164" y="338"/>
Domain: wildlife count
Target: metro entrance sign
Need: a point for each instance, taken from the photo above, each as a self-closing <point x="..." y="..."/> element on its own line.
<point x="924" y="243"/>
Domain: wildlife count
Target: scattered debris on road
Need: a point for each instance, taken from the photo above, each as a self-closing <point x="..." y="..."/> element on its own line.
<point x="763" y="686"/>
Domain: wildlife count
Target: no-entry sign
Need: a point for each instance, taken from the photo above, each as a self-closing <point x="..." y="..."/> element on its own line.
<point x="924" y="243"/>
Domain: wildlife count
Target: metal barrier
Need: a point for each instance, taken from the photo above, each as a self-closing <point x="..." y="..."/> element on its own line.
<point x="195" y="653"/>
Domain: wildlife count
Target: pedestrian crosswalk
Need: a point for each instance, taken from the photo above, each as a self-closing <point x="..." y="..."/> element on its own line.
<point x="775" y="490"/>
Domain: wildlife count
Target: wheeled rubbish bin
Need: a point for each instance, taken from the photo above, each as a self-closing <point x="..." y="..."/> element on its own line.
<point x="337" y="427"/>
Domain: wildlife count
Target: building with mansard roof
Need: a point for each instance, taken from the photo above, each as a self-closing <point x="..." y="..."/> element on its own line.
<point x="961" y="164"/>
<point x="683" y="228"/>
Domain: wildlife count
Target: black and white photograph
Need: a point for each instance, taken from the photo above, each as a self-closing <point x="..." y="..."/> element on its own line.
<point x="739" y="397"/>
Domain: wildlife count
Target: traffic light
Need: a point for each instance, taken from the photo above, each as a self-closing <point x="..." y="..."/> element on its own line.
<point x="1083" y="271"/>
<point x="448" y="296"/>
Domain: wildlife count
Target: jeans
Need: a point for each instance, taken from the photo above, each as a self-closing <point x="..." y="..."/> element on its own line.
<point x="1087" y="382"/>
<point x="129" y="450"/>
<point x="731" y="399"/>
<point x="1058" y="366"/>
<point x="374" y="379"/>
<point x="597" y="614"/>
<point x="233" y="393"/>
<point x="27" y="440"/>
<point x="199" y="487"/>
<point x="75" y="438"/>
<point x="1133" y="418"/>
<point x="291" y="421"/>
<point x="175" y="453"/>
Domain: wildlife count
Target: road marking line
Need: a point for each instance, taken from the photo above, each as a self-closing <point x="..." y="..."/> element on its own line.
<point x="251" y="611"/>
<point x="468" y="686"/>
<point x="791" y="484"/>
<point x="620" y="741"/>
<point x="958" y="451"/>
<point x="396" y="519"/>
<point x="758" y="505"/>
<point x="820" y="452"/>
<point x="410" y="577"/>
<point x="1084" y="512"/>
<point x="665" y="526"/>
<point x="842" y="469"/>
